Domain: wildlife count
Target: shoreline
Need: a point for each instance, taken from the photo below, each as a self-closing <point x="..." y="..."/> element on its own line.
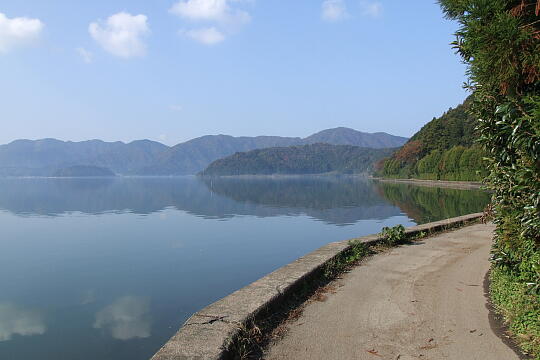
<point x="285" y="176"/>
<point x="215" y="331"/>
<point x="461" y="185"/>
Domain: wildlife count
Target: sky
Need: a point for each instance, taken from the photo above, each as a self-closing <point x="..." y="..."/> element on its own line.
<point x="172" y="70"/>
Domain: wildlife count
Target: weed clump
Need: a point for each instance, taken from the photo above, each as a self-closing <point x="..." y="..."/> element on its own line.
<point x="344" y="260"/>
<point x="393" y="236"/>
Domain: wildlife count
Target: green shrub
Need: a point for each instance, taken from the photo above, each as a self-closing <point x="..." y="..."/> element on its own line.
<point x="499" y="41"/>
<point x="393" y="235"/>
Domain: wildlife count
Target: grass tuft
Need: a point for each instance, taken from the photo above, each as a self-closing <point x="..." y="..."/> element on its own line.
<point x="520" y="307"/>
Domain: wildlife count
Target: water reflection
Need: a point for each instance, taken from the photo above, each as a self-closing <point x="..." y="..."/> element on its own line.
<point x="126" y="318"/>
<point x="334" y="200"/>
<point x="82" y="266"/>
<point x="88" y="297"/>
<point x="427" y="204"/>
<point x="18" y="320"/>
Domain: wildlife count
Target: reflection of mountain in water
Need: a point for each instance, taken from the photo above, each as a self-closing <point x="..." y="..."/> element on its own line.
<point x="337" y="200"/>
<point x="334" y="200"/>
<point x="426" y="204"/>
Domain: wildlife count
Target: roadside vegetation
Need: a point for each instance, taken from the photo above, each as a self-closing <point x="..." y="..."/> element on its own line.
<point x="499" y="40"/>
<point x="392" y="236"/>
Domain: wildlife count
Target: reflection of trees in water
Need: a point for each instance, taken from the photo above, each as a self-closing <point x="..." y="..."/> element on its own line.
<point x="335" y="200"/>
<point x="303" y="192"/>
<point x="426" y="204"/>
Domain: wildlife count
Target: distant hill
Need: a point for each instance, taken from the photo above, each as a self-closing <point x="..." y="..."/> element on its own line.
<point x="144" y="157"/>
<point x="83" y="171"/>
<point x="346" y="136"/>
<point x="44" y="157"/>
<point x="443" y="149"/>
<point x="195" y="155"/>
<point x="304" y="159"/>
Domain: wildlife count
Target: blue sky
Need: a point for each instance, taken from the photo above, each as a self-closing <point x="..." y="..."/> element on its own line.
<point x="171" y="70"/>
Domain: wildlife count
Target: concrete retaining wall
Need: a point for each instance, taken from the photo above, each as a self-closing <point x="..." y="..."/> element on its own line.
<point x="209" y="333"/>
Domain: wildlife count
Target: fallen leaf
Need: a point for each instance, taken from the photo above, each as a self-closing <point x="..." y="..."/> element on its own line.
<point x="373" y="352"/>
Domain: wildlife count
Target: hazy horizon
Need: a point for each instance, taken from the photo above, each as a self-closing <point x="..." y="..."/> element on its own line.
<point x="188" y="68"/>
<point x="233" y="135"/>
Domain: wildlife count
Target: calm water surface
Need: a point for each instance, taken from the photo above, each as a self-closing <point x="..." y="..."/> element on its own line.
<point x="110" y="268"/>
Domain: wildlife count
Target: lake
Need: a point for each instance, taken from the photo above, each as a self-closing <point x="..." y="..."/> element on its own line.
<point x="110" y="268"/>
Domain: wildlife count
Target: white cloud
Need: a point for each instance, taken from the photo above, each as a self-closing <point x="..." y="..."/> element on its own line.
<point x="372" y="9"/>
<point x="225" y="18"/>
<point x="200" y="9"/>
<point x="210" y="10"/>
<point x="18" y="31"/>
<point x="333" y="10"/>
<point x="126" y="318"/>
<point x="15" y="320"/>
<point x="86" y="55"/>
<point x="122" y="34"/>
<point x="207" y="36"/>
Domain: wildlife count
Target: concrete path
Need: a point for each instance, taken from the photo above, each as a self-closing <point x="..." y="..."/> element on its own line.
<point x="423" y="301"/>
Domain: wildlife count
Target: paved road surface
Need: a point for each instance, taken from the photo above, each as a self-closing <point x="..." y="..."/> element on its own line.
<point x="423" y="301"/>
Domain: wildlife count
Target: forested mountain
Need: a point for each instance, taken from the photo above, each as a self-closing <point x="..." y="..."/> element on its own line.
<point x="193" y="156"/>
<point x="304" y="159"/>
<point x="144" y="157"/>
<point x="443" y="149"/>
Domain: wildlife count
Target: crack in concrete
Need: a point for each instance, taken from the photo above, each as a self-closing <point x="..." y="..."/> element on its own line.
<point x="213" y="319"/>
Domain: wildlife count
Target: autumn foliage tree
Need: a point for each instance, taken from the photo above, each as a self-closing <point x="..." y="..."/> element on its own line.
<point x="422" y="156"/>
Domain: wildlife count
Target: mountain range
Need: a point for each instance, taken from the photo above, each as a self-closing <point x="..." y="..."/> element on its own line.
<point x="47" y="157"/>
